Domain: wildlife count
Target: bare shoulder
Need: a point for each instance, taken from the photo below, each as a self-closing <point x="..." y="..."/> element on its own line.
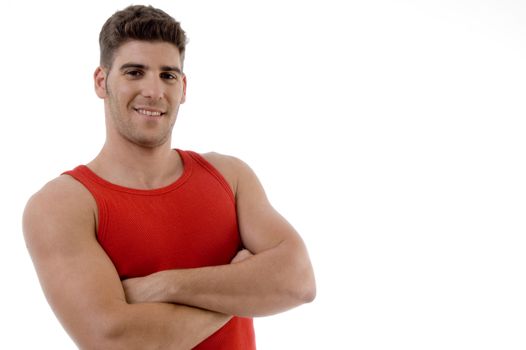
<point x="60" y="204"/>
<point x="232" y="168"/>
<point x="61" y="193"/>
<point x="223" y="161"/>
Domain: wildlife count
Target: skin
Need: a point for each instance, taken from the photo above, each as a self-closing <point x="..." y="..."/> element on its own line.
<point x="174" y="309"/>
<point x="277" y="277"/>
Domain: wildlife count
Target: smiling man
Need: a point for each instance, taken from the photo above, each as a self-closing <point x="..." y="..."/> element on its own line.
<point x="149" y="247"/>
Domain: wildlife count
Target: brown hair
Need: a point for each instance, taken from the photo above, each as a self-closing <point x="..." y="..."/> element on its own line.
<point x="139" y="22"/>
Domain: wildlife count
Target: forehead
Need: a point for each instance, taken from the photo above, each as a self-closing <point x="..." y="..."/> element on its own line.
<point x="154" y="54"/>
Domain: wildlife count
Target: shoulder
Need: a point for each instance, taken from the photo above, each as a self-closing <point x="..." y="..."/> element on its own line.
<point x="233" y="169"/>
<point x="224" y="162"/>
<point x="63" y="191"/>
<point x="59" y="205"/>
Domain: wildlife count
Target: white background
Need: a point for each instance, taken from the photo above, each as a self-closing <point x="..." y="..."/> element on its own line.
<point x="390" y="133"/>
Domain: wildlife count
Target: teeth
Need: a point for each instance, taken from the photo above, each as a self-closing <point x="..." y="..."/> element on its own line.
<point x="150" y="113"/>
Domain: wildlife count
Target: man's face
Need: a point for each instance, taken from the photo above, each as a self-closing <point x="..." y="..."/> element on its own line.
<point x="142" y="92"/>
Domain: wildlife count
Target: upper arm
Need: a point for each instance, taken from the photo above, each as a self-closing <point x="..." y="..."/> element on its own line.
<point x="263" y="229"/>
<point x="78" y="279"/>
<point x="261" y="226"/>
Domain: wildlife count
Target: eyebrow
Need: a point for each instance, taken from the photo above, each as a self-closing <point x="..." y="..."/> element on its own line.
<point x="142" y="66"/>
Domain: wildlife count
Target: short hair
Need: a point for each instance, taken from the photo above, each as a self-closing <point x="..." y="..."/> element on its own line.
<point x="138" y="22"/>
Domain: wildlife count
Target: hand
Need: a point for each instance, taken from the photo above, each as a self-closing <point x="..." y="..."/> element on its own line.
<point x="140" y="289"/>
<point x="241" y="255"/>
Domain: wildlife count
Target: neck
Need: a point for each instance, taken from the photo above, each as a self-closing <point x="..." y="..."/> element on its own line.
<point x="134" y="166"/>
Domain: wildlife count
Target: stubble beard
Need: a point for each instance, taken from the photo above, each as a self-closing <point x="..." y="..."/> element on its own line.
<point x="126" y="128"/>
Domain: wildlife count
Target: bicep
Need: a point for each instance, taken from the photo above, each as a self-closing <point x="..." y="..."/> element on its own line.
<point x="261" y="226"/>
<point x="77" y="277"/>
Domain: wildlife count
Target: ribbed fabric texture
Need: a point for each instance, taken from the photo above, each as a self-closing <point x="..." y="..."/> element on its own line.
<point x="190" y="223"/>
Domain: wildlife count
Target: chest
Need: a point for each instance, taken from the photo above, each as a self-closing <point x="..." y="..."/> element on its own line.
<point x="192" y="227"/>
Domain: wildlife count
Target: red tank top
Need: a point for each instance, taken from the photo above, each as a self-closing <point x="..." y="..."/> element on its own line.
<point x="190" y="223"/>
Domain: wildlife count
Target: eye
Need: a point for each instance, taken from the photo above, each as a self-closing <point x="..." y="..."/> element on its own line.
<point x="169" y="76"/>
<point x="134" y="74"/>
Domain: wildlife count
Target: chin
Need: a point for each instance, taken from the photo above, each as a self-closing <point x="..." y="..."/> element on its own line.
<point x="150" y="143"/>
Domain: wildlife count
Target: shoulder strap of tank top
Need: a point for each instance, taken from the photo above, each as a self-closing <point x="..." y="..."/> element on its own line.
<point x="203" y="163"/>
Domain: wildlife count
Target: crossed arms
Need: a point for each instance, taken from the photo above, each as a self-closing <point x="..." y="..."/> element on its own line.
<point x="174" y="309"/>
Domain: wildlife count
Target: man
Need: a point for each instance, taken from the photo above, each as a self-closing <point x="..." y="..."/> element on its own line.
<point x="147" y="247"/>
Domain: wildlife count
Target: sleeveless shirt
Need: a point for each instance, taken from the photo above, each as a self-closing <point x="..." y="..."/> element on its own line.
<point x="188" y="224"/>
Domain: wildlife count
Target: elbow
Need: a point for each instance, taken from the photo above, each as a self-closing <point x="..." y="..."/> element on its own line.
<point x="297" y="294"/>
<point x="106" y="333"/>
<point x="105" y="336"/>
<point x="113" y="335"/>
<point x="303" y="290"/>
<point x="301" y="280"/>
<point x="307" y="291"/>
<point x="309" y="294"/>
<point x="307" y="285"/>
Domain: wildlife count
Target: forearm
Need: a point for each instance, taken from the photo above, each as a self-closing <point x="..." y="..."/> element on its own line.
<point x="157" y="326"/>
<point x="266" y="283"/>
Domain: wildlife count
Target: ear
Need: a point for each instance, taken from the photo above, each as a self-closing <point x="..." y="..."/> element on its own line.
<point x="99" y="78"/>
<point x="183" y="97"/>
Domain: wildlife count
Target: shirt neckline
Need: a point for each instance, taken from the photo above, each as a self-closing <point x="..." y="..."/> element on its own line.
<point x="187" y="170"/>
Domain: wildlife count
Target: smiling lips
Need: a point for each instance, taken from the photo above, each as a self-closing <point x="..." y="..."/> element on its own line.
<point x="148" y="112"/>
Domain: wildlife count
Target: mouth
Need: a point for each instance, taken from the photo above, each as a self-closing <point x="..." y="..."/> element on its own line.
<point x="149" y="112"/>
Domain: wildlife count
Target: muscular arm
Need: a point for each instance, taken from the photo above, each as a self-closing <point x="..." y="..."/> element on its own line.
<point x="83" y="287"/>
<point x="277" y="277"/>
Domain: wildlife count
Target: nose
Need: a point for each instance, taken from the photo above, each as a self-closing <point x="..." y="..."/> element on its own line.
<point x="152" y="88"/>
